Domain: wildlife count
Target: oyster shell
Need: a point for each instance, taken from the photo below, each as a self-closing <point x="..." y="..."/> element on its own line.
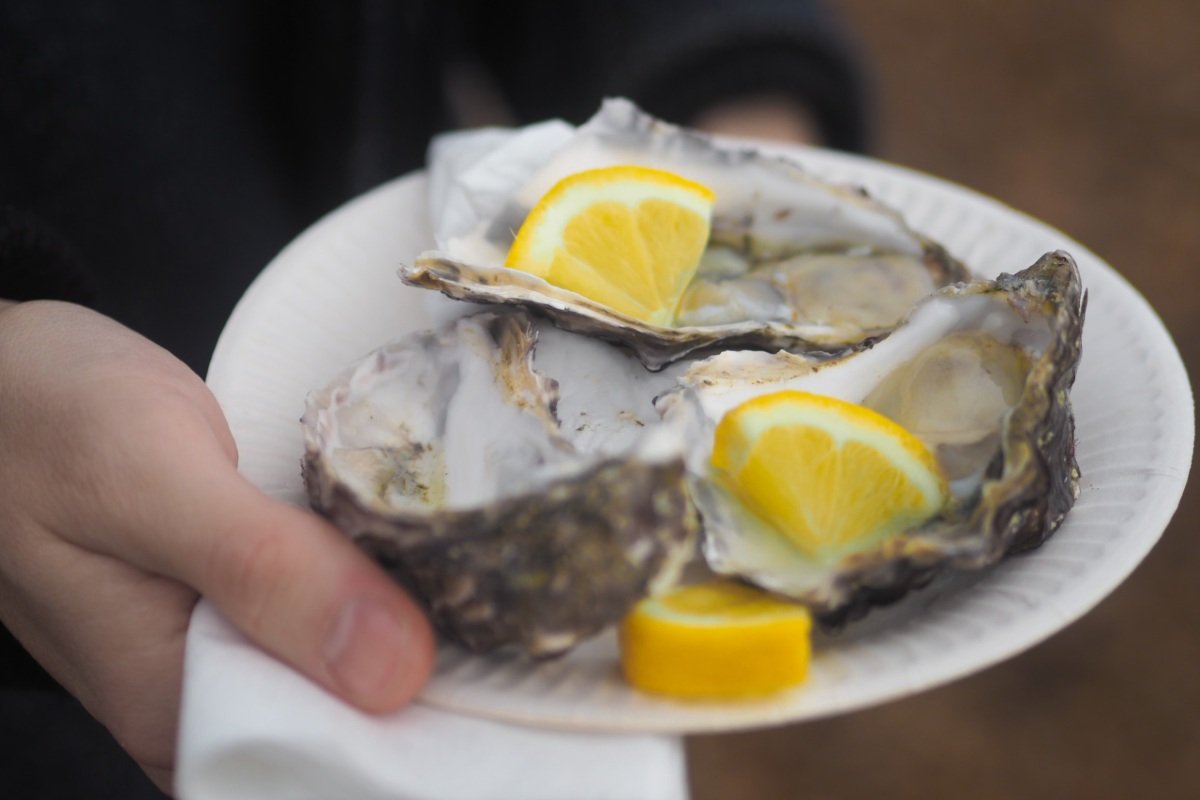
<point x="981" y="372"/>
<point x="443" y="456"/>
<point x="794" y="262"/>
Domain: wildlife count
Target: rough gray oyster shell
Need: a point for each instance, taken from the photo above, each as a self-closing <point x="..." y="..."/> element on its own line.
<point x="1002" y="428"/>
<point x="442" y="456"/>
<point x="795" y="262"/>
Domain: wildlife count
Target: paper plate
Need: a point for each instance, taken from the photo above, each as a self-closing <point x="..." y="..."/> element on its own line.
<point x="333" y="295"/>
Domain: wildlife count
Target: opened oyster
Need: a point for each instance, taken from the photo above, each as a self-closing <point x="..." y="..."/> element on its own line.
<point x="792" y="263"/>
<point x="980" y="372"/>
<point x="533" y="470"/>
<point x="442" y="455"/>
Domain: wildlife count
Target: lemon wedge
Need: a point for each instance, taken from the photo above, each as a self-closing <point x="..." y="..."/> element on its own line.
<point x="715" y="640"/>
<point x="628" y="237"/>
<point x="832" y="476"/>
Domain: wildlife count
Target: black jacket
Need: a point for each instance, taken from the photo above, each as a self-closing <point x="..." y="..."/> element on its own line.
<point x="155" y="155"/>
<point x="169" y="150"/>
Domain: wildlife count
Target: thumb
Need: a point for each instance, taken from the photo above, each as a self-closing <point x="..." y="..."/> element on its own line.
<point x="305" y="593"/>
<point x="118" y="448"/>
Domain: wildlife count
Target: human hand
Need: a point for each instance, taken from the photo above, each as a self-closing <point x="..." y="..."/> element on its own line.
<point x="120" y="503"/>
<point x="765" y="116"/>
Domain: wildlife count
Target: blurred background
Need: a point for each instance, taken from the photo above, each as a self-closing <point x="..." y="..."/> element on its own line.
<point x="1087" y="116"/>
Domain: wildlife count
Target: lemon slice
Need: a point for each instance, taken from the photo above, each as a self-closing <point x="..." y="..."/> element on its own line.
<point x="628" y="237"/>
<point x="715" y="640"/>
<point x="830" y="475"/>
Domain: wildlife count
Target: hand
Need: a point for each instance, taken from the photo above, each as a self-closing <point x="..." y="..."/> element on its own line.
<point x="120" y="503"/>
<point x="765" y="116"/>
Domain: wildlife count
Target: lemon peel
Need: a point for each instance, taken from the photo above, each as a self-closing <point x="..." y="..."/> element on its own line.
<point x="628" y="237"/>
<point x="715" y="640"/>
<point x="830" y="475"/>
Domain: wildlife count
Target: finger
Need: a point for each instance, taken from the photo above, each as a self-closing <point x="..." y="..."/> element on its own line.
<point x="164" y="779"/>
<point x="766" y="116"/>
<point x="112" y="635"/>
<point x="146" y="475"/>
<point x="297" y="587"/>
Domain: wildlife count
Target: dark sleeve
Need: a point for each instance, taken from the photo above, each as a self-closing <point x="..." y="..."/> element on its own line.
<point x="36" y="263"/>
<point x="675" y="58"/>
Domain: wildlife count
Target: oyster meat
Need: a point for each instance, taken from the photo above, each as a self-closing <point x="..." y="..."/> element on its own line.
<point x="981" y="372"/>
<point x="793" y="262"/>
<point x="442" y="454"/>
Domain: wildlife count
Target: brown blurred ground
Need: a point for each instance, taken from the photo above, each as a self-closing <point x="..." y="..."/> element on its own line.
<point x="1086" y="115"/>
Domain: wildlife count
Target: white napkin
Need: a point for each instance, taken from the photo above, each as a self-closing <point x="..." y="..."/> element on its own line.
<point x="251" y="727"/>
<point x="472" y="174"/>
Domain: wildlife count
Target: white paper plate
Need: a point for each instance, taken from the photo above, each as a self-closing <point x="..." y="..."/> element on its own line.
<point x="333" y="295"/>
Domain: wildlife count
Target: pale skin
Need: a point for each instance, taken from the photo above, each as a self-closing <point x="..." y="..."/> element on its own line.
<point x="121" y="504"/>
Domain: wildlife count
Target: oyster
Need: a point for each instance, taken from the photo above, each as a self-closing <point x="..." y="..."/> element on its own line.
<point x="793" y="262"/>
<point x="980" y="372"/>
<point x="443" y="456"/>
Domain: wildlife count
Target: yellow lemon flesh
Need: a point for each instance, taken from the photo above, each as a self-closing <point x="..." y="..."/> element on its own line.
<point x="715" y="640"/>
<point x="628" y="237"/>
<point x="830" y="475"/>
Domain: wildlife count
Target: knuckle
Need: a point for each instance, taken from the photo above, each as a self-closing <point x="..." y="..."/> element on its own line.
<point x="245" y="574"/>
